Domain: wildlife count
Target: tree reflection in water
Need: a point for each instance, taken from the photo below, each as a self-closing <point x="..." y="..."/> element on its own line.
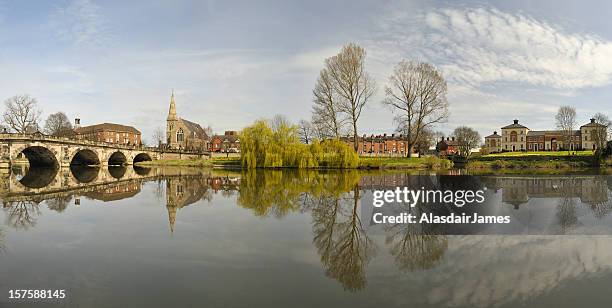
<point x="59" y="204"/>
<point x="21" y="214"/>
<point x="333" y="199"/>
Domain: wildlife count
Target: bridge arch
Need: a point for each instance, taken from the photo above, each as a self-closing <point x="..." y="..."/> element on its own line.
<point x="142" y="157"/>
<point x="117" y="159"/>
<point x="85" y="157"/>
<point x="39" y="156"/>
<point x="117" y="171"/>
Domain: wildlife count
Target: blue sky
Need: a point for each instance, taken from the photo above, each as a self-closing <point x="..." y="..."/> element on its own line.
<point x="232" y="62"/>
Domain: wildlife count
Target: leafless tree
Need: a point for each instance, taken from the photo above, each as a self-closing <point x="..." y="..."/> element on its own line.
<point x="566" y="122"/>
<point x="159" y="136"/>
<point x="57" y="124"/>
<point x="305" y="131"/>
<point x="22" y="113"/>
<point x="418" y="92"/>
<point x="325" y="111"/>
<point x="352" y="84"/>
<point x="278" y="121"/>
<point x="467" y="139"/>
<point x="600" y="135"/>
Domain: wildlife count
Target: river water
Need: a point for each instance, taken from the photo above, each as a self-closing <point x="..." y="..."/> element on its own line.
<point x="125" y="237"/>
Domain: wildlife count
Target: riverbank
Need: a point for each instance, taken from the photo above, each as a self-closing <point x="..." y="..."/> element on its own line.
<point x="430" y="163"/>
<point x="176" y="163"/>
<point x="538" y="161"/>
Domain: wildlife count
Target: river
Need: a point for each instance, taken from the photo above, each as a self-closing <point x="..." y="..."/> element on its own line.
<point x="182" y="237"/>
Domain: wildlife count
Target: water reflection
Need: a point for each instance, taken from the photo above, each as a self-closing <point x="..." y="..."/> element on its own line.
<point x="452" y="270"/>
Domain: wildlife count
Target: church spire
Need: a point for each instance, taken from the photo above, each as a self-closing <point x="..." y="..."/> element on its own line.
<point x="172" y="112"/>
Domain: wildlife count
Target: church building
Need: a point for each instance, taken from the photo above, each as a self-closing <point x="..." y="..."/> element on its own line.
<point x="184" y="134"/>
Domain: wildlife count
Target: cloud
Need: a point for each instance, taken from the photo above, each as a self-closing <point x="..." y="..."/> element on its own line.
<point x="482" y="46"/>
<point x="80" y="23"/>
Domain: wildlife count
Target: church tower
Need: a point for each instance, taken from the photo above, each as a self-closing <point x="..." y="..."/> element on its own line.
<point x="172" y="124"/>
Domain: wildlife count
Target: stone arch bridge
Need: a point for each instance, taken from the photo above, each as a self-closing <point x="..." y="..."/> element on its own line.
<point x="41" y="150"/>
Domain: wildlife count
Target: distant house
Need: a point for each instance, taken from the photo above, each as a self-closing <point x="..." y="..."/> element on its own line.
<point x="493" y="143"/>
<point x="108" y="132"/>
<point x="448" y="146"/>
<point x="226" y="143"/>
<point x="387" y="145"/>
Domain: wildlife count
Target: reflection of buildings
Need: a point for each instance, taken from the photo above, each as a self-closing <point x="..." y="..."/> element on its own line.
<point x="518" y="190"/>
<point x="116" y="192"/>
<point x="184" y="191"/>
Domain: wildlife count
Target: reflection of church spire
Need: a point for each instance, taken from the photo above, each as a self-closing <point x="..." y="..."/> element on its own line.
<point x="171" y="216"/>
<point x="172" y="111"/>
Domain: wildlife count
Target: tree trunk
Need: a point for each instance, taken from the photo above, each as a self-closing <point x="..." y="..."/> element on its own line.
<point x="355" y="137"/>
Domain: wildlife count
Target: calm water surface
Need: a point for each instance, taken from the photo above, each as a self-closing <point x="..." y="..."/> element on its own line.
<point x="125" y="237"/>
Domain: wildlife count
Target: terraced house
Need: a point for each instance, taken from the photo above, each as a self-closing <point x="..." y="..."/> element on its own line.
<point x="517" y="137"/>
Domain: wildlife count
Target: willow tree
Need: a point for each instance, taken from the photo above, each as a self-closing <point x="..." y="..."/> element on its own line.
<point x="417" y="91"/>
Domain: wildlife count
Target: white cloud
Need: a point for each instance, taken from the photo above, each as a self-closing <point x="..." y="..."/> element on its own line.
<point x="81" y="23"/>
<point x="481" y="46"/>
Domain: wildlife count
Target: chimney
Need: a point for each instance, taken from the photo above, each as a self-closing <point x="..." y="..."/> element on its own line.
<point x="77" y="123"/>
<point x="515" y="121"/>
<point x="592" y="120"/>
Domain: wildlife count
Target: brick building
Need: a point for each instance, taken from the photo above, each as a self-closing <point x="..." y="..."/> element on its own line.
<point x="448" y="146"/>
<point x="226" y="143"/>
<point x="387" y="145"/>
<point x="108" y="132"/>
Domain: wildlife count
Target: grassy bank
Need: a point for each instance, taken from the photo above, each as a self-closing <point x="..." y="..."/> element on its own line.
<point x="432" y="163"/>
<point x="177" y="163"/>
<point x="404" y="163"/>
<point x="540" y="153"/>
<point x="531" y="164"/>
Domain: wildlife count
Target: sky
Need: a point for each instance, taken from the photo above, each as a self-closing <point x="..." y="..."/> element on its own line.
<point x="233" y="62"/>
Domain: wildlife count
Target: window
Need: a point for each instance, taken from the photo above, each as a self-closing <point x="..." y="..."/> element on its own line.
<point x="179" y="135"/>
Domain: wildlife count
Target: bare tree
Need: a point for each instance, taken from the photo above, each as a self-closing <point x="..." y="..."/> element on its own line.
<point x="159" y="136"/>
<point x="305" y="131"/>
<point x="566" y="122"/>
<point x="418" y="92"/>
<point x="467" y="139"/>
<point x="57" y="124"/>
<point x="352" y="83"/>
<point x="600" y="135"/>
<point x="278" y="121"/>
<point x="22" y="113"/>
<point x="325" y="111"/>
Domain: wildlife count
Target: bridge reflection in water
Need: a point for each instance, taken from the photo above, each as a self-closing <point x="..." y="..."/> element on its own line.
<point x="342" y="233"/>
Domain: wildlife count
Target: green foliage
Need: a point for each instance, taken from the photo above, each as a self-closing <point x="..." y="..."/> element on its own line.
<point x="264" y="147"/>
<point x="337" y="154"/>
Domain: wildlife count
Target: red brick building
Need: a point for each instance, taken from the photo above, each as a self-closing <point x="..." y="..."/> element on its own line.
<point x="448" y="146"/>
<point x="389" y="145"/>
<point x="109" y="132"/>
<point x="226" y="143"/>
